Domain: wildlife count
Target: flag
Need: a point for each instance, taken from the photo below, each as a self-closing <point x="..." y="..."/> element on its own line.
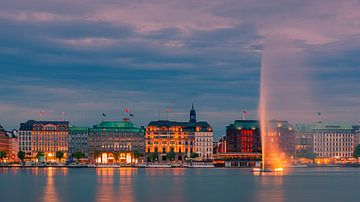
<point x="103" y="114"/>
<point x="132" y="115"/>
<point x="245" y="112"/>
<point x="126" y="110"/>
<point x="319" y="113"/>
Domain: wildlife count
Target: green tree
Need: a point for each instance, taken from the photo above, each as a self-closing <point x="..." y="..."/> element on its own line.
<point x="21" y="156"/>
<point x="170" y="156"/>
<point x="40" y="156"/>
<point x="194" y="155"/>
<point x="59" y="155"/>
<point x="116" y="156"/>
<point x="357" y="151"/>
<point x="2" y="154"/>
<point x="154" y="156"/>
<point x="78" y="155"/>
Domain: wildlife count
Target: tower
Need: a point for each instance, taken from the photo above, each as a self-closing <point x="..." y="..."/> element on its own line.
<point x="192" y="114"/>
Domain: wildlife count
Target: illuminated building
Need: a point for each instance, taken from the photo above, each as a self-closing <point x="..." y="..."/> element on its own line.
<point x="243" y="136"/>
<point x="282" y="134"/>
<point x="78" y="140"/>
<point x="13" y="145"/>
<point x="182" y="138"/>
<point x="241" y="147"/>
<point x="47" y="137"/>
<point x="333" y="140"/>
<point x="220" y="145"/>
<point x="4" y="141"/>
<point x="116" y="142"/>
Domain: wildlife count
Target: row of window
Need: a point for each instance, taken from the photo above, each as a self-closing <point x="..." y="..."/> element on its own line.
<point x="333" y="144"/>
<point x="333" y="135"/>
<point x="333" y="154"/>
<point x="333" y="149"/>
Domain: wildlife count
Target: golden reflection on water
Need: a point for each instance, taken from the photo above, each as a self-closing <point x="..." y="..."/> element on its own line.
<point x="126" y="191"/>
<point x="105" y="182"/>
<point x="50" y="193"/>
<point x="270" y="187"/>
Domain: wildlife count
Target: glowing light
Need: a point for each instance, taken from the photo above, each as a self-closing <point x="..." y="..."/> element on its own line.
<point x="279" y="169"/>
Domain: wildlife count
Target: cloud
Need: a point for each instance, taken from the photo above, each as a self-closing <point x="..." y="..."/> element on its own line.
<point x="86" y="58"/>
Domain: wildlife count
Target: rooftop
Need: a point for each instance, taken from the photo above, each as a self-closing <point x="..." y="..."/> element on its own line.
<point x="331" y="126"/>
<point x="118" y="126"/>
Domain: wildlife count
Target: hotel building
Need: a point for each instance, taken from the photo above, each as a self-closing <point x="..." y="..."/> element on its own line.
<point x="243" y="136"/>
<point x="333" y="140"/>
<point x="182" y="138"/>
<point x="47" y="137"/>
<point x="242" y="145"/>
<point x="78" y="140"/>
<point x="116" y="142"/>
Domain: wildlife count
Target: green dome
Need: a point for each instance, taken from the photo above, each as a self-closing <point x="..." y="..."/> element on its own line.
<point x="115" y="124"/>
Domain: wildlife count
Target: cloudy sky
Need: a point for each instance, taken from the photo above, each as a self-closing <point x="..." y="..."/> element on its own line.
<point x="90" y="57"/>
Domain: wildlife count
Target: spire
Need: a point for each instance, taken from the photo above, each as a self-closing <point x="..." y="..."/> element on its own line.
<point x="192" y="114"/>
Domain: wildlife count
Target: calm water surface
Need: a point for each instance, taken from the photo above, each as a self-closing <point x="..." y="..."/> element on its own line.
<point x="178" y="184"/>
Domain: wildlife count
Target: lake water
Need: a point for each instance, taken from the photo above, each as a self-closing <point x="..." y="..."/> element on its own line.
<point x="178" y="184"/>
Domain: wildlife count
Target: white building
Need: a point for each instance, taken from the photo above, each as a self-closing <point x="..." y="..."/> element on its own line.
<point x="333" y="140"/>
<point x="204" y="144"/>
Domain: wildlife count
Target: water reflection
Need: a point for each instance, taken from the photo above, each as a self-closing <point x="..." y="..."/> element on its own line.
<point x="50" y="193"/>
<point x="126" y="190"/>
<point x="110" y="190"/>
<point x="105" y="181"/>
<point x="270" y="187"/>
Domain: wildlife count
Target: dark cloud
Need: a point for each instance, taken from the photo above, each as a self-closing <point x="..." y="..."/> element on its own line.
<point x="88" y="58"/>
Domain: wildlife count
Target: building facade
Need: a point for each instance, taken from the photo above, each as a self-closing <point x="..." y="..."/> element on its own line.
<point x="116" y="142"/>
<point x="243" y="136"/>
<point x="78" y="140"/>
<point x="333" y="140"/>
<point x="281" y="134"/>
<point x="46" y="137"/>
<point x="242" y="145"/>
<point x="4" y="142"/>
<point x="304" y="141"/>
<point x="183" y="138"/>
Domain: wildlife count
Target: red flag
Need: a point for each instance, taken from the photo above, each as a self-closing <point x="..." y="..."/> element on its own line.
<point x="126" y="110"/>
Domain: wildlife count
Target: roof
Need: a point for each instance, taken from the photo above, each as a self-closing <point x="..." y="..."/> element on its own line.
<point x="76" y="128"/>
<point x="166" y="123"/>
<point x="117" y="126"/>
<point x="245" y="124"/>
<point x="28" y="125"/>
<point x="275" y="124"/>
<point x="332" y="126"/>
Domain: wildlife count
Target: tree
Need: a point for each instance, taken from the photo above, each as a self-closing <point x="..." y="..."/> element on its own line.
<point x="97" y="154"/>
<point x="59" y="155"/>
<point x="194" y="155"/>
<point x="2" y="154"/>
<point x="357" y="151"/>
<point x="116" y="156"/>
<point x="21" y="156"/>
<point x="78" y="155"/>
<point x="170" y="156"/>
<point x="40" y="156"/>
<point x="154" y="156"/>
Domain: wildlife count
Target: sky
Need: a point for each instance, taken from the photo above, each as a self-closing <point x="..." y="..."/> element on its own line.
<point x="90" y="57"/>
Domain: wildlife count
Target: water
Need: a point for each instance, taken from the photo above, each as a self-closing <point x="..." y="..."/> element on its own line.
<point x="127" y="184"/>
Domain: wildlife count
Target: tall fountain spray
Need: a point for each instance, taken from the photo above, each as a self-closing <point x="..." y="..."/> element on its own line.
<point x="262" y="112"/>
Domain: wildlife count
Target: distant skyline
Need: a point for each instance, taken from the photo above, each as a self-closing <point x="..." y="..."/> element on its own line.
<point x="88" y="58"/>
